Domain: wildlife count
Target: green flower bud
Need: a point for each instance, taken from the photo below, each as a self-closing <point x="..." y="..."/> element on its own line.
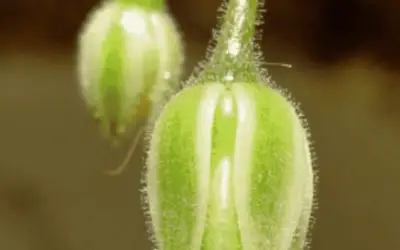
<point x="129" y="57"/>
<point x="229" y="167"/>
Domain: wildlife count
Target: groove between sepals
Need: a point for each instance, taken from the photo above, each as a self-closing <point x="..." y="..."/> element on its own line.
<point x="221" y="219"/>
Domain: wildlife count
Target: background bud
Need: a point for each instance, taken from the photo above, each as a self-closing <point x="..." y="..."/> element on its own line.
<point x="130" y="59"/>
<point x="229" y="167"/>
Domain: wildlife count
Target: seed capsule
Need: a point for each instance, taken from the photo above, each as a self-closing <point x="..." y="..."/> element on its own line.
<point x="130" y="58"/>
<point x="229" y="168"/>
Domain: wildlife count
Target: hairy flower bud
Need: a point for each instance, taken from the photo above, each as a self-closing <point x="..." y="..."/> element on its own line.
<point x="129" y="58"/>
<point x="229" y="167"/>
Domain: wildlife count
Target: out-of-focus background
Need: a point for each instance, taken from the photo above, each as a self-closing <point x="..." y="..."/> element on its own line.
<point x="53" y="195"/>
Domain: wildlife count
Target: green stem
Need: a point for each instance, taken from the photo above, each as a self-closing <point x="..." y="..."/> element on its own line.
<point x="232" y="58"/>
<point x="147" y="4"/>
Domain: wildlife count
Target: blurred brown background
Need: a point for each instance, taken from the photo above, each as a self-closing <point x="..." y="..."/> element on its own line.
<point x="53" y="195"/>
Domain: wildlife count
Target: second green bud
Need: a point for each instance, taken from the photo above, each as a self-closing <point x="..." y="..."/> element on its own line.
<point x="130" y="59"/>
<point x="229" y="168"/>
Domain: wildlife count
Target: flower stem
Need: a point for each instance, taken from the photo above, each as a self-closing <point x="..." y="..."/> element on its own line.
<point x="147" y="4"/>
<point x="232" y="58"/>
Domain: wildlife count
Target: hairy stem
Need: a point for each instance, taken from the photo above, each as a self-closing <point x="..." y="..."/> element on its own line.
<point x="232" y="58"/>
